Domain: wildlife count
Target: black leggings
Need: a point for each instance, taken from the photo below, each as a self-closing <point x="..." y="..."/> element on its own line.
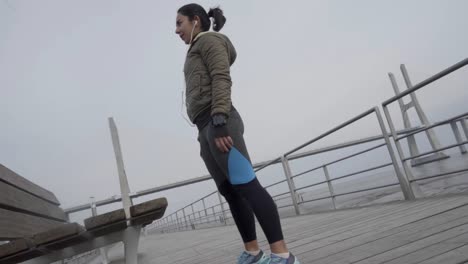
<point x="236" y="181"/>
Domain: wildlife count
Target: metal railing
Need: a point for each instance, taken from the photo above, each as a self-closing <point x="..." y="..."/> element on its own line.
<point x="188" y="217"/>
<point x="190" y="220"/>
<point x="452" y="121"/>
<point x="405" y="177"/>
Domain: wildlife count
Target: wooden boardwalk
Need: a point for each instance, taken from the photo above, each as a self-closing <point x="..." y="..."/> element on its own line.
<point x="430" y="231"/>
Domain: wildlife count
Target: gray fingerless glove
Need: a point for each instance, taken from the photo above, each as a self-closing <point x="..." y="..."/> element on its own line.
<point x="219" y="122"/>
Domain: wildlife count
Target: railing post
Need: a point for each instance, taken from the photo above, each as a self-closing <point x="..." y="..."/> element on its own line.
<point x="173" y="223"/>
<point x="204" y="207"/>
<point x="408" y="186"/>
<point x="330" y="186"/>
<point x="291" y="185"/>
<point x="103" y="249"/>
<point x="464" y="124"/>
<point x="185" y="218"/>
<point x="457" y="135"/>
<point x="194" y="217"/>
<point x="222" y="208"/>
<point x="177" y="220"/>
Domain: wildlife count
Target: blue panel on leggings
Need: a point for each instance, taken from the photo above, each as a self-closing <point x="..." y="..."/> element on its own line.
<point x="239" y="168"/>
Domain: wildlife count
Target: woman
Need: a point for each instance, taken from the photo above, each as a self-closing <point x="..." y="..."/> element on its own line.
<point x="209" y="107"/>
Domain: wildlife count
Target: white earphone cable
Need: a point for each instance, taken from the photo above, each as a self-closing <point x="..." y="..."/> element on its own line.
<point x="188" y="78"/>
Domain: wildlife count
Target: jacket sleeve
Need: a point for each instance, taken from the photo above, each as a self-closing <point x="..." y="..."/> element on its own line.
<point x="215" y="55"/>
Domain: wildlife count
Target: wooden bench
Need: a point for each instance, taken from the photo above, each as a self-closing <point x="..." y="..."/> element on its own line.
<point x="39" y="231"/>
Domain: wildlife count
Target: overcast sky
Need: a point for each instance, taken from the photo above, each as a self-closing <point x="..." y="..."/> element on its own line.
<point x="303" y="67"/>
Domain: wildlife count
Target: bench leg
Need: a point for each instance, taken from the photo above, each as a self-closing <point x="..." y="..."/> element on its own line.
<point x="131" y="239"/>
<point x="103" y="252"/>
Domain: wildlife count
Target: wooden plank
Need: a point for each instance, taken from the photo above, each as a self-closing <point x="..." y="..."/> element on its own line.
<point x="57" y="233"/>
<point x="421" y="225"/>
<point x="18" y="200"/>
<point x="10" y="177"/>
<point x="67" y="241"/>
<point x="145" y="213"/>
<point x="357" y="252"/>
<point x="16" y="225"/>
<point x="222" y="245"/>
<point x="61" y="236"/>
<point x="106" y="223"/>
<point x="310" y="225"/>
<point x="22" y="256"/>
<point x="13" y="247"/>
<point x="353" y="235"/>
<point x="226" y="239"/>
<point x="146" y="207"/>
<point x="380" y="218"/>
<point x="104" y="219"/>
<point x="458" y="255"/>
<point x="427" y="248"/>
<point x="148" y="218"/>
<point x="434" y="227"/>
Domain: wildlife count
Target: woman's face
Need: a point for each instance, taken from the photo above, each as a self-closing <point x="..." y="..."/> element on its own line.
<point x="184" y="27"/>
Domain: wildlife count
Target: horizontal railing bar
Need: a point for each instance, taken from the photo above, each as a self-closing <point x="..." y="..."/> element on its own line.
<point x="277" y="160"/>
<point x="307" y="171"/>
<point x="276" y="195"/>
<point x="316" y="199"/>
<point x="117" y="198"/>
<point x="436" y="150"/>
<point x="341" y="159"/>
<point x="283" y="198"/>
<point x="363" y="190"/>
<point x="283" y="206"/>
<point x="439" y="175"/>
<point x="276" y="183"/>
<point x="348" y="144"/>
<point x="368" y="189"/>
<point x="428" y="81"/>
<point x="310" y="185"/>
<point x="78" y="208"/>
<point x="445" y="122"/>
<point x="362" y="171"/>
<point x="356" y="154"/>
<point x="366" y="113"/>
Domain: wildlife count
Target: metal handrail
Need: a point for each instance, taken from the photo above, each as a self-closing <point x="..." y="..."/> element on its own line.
<point x="366" y="113"/>
<point x="361" y="171"/>
<point x="436" y="148"/>
<point x="259" y="166"/>
<point x="341" y="159"/>
<point x="271" y="162"/>
<point x="427" y="81"/>
<point x="291" y="155"/>
<point x="394" y="134"/>
<point x="436" y="124"/>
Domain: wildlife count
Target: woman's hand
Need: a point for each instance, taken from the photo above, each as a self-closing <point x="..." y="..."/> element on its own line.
<point x="222" y="139"/>
<point x="224" y="144"/>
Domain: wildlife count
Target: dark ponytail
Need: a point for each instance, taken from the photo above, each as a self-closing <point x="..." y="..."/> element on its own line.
<point x="192" y="10"/>
<point x="219" y="19"/>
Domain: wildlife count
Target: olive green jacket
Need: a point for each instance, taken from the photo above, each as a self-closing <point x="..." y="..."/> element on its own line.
<point x="207" y="74"/>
